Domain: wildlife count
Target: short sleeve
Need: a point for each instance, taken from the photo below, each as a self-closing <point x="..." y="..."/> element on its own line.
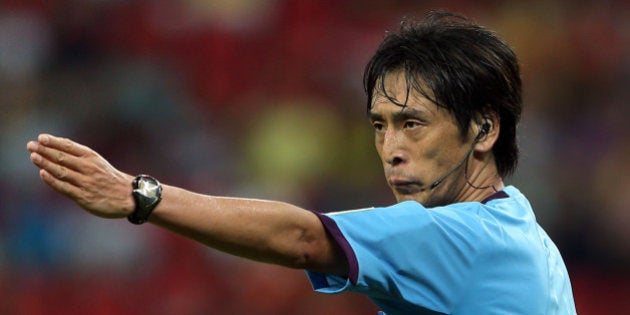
<point x="422" y="255"/>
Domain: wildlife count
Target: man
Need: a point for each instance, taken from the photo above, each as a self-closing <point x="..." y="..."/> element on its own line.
<point x="444" y="97"/>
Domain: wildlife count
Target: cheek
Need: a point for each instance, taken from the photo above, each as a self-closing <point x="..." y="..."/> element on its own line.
<point x="425" y="152"/>
<point x="429" y="153"/>
<point x="378" y="145"/>
<point x="434" y="156"/>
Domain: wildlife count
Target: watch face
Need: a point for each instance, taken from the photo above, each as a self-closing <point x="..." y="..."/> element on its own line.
<point x="148" y="187"/>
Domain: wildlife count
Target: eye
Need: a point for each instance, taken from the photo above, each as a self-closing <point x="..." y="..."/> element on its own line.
<point x="412" y="124"/>
<point x="378" y="126"/>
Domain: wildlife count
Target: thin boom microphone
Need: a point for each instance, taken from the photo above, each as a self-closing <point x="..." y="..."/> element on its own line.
<point x="484" y="130"/>
<point x="439" y="181"/>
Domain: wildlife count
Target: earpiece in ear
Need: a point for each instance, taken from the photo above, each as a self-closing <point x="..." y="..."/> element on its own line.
<point x="485" y="128"/>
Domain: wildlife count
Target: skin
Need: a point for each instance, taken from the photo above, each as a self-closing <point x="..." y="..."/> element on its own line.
<point x="420" y="143"/>
<point x="417" y="145"/>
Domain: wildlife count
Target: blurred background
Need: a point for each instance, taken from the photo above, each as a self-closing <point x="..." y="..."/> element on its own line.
<point x="263" y="99"/>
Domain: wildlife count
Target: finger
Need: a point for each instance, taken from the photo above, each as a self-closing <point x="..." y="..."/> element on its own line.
<point x="55" y="156"/>
<point x="63" y="144"/>
<point x="58" y="171"/>
<point x="63" y="187"/>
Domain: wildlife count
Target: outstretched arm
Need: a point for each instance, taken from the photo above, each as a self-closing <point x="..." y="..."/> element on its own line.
<point x="262" y="230"/>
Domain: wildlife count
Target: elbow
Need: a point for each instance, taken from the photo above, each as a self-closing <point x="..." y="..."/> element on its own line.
<point x="308" y="252"/>
<point x="321" y="254"/>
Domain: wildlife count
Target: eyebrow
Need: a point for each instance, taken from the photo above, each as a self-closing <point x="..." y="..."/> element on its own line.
<point x="401" y="115"/>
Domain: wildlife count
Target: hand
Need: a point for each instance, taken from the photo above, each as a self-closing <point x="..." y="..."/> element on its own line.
<point x="82" y="175"/>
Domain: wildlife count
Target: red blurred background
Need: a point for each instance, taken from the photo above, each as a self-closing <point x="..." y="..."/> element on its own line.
<point x="264" y="99"/>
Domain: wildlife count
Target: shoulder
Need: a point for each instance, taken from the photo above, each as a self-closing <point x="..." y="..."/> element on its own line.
<point x="472" y="220"/>
<point x="410" y="220"/>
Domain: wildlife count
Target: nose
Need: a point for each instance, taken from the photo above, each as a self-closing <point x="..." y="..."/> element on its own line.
<point x="395" y="161"/>
<point x="393" y="150"/>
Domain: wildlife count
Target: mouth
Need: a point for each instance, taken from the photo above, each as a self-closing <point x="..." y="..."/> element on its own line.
<point x="406" y="187"/>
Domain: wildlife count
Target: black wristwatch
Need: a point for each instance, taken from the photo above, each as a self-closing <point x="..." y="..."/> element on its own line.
<point x="147" y="193"/>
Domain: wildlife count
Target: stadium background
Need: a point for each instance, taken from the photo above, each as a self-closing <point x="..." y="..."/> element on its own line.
<point x="263" y="99"/>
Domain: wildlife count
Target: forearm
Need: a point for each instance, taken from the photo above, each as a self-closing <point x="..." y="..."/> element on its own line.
<point x="262" y="230"/>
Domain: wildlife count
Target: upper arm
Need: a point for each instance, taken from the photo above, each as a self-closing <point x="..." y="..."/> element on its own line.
<point x="408" y="246"/>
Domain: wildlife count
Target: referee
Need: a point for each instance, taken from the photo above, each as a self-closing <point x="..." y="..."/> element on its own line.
<point x="444" y="99"/>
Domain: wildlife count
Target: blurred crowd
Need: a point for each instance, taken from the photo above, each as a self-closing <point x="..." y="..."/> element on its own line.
<point x="264" y="99"/>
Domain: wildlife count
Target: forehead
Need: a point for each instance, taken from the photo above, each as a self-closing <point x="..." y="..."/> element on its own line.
<point x="395" y="92"/>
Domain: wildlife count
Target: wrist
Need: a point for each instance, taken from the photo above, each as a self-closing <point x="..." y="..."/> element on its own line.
<point x="129" y="204"/>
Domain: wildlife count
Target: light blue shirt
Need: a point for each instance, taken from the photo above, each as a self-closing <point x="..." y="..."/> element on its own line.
<point x="486" y="257"/>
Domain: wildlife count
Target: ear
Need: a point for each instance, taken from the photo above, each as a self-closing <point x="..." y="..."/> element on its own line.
<point x="488" y="128"/>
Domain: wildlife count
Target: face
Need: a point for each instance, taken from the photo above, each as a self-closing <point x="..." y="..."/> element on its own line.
<point x="418" y="144"/>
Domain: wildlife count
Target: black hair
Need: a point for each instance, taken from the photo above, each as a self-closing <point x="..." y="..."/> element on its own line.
<point x="460" y="66"/>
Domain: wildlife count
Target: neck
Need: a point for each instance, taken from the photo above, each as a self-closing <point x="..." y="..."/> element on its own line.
<point x="481" y="179"/>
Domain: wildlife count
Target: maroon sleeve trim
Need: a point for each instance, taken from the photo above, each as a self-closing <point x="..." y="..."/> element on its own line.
<point x="351" y="258"/>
